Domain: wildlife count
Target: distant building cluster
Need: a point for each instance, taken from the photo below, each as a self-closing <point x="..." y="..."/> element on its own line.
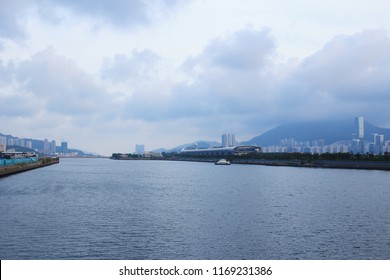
<point x="14" y="142"/>
<point x="229" y="140"/>
<point x="358" y="144"/>
<point x="290" y="145"/>
<point x="46" y="147"/>
<point x="49" y="148"/>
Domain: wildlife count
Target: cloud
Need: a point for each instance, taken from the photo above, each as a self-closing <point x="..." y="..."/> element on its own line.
<point x="236" y="81"/>
<point x="225" y="77"/>
<point x="13" y="19"/>
<point x="140" y="65"/>
<point x="119" y="14"/>
<point x="57" y="84"/>
<point x="244" y="50"/>
<point x="348" y="76"/>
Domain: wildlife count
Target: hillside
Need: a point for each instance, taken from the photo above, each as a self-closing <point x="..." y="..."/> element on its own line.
<point x="330" y="131"/>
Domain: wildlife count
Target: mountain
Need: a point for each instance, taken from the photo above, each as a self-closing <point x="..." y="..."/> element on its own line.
<point x="330" y="131"/>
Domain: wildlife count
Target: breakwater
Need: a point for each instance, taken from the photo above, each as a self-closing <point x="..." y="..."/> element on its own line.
<point x="17" y="168"/>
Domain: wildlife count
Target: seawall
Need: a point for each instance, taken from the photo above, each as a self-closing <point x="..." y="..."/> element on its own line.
<point x="336" y="164"/>
<point x="18" y="168"/>
<point x="366" y="165"/>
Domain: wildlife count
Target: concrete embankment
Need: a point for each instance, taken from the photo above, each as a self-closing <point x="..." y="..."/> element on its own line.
<point x="367" y="165"/>
<point x="342" y="164"/>
<point x="14" y="169"/>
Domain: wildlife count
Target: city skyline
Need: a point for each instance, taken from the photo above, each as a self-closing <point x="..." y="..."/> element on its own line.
<point x="144" y="71"/>
<point x="359" y="143"/>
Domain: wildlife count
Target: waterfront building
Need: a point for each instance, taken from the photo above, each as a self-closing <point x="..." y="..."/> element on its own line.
<point x="153" y="155"/>
<point x="140" y="149"/>
<point x="3" y="148"/>
<point x="220" y="151"/>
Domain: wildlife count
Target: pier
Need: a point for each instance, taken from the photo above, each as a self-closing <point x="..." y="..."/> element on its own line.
<point x="18" y="168"/>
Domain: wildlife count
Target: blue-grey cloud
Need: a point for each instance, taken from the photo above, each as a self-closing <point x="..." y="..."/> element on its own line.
<point x="347" y="77"/>
<point x="225" y="90"/>
<point x="13" y="19"/>
<point x="244" y="50"/>
<point x="120" y="14"/>
<point x="60" y="84"/>
<point x="220" y="94"/>
<point x="122" y="68"/>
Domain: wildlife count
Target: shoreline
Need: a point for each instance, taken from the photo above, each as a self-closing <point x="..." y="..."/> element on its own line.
<point x="358" y="165"/>
<point x="15" y="169"/>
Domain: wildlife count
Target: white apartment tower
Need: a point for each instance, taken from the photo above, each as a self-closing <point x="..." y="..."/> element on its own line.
<point x="140" y="149"/>
<point x="228" y="140"/>
<point x="360" y="123"/>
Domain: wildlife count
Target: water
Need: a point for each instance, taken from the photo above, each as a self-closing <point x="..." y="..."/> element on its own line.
<point x="105" y="209"/>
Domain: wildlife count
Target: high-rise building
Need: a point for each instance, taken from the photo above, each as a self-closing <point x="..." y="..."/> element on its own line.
<point x="29" y="144"/>
<point x="229" y="140"/>
<point x="11" y="142"/>
<point x="19" y="142"/>
<point x="378" y="143"/>
<point x="46" y="146"/>
<point x="3" y="140"/>
<point x="360" y="127"/>
<point x="225" y="140"/>
<point x="140" y="149"/>
<point x="64" y="146"/>
<point x="359" y="136"/>
<point x="53" y="146"/>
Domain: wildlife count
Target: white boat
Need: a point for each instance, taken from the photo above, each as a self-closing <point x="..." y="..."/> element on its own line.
<point x="222" y="162"/>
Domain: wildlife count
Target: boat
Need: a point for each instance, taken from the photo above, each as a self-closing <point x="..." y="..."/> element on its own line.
<point x="222" y="161"/>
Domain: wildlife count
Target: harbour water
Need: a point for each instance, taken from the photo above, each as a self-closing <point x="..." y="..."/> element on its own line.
<point x="106" y="209"/>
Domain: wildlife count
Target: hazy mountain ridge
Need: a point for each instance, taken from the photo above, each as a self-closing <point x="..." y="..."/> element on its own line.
<point x="330" y="131"/>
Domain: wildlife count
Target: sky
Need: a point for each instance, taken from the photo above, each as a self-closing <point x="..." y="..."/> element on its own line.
<point x="107" y="75"/>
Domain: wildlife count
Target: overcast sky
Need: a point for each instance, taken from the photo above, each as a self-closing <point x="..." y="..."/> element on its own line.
<point x="106" y="75"/>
